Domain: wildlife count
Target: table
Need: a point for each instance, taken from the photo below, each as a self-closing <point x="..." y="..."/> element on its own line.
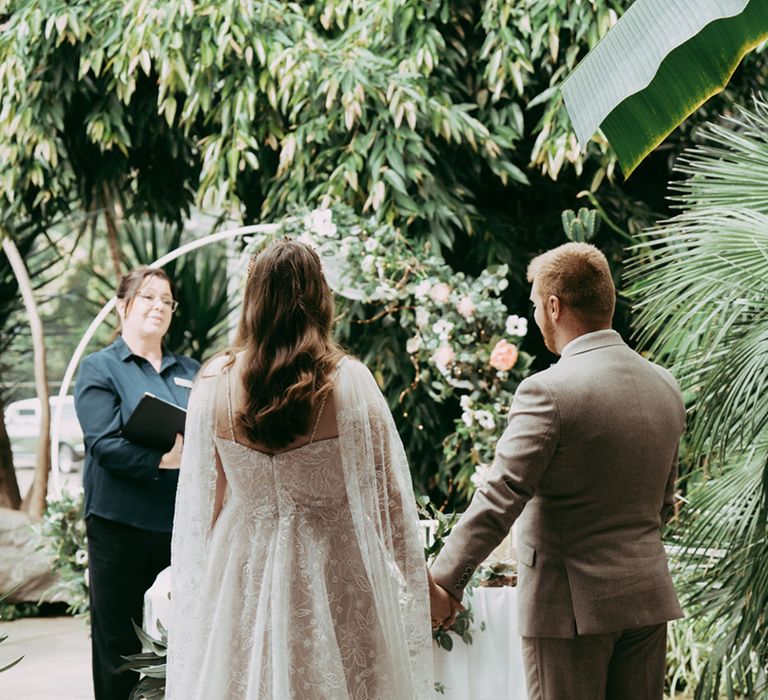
<point x="491" y="668"/>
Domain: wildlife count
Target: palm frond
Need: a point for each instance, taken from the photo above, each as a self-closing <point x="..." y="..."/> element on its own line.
<point x="700" y="283"/>
<point x="730" y="168"/>
<point x="722" y="564"/>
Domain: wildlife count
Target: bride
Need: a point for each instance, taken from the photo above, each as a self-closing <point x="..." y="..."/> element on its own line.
<point x="297" y="567"/>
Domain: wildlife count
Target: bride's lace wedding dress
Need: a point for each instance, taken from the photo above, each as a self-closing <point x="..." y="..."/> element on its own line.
<point x="311" y="583"/>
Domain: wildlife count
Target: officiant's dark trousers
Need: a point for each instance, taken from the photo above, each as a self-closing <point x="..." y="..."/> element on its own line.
<point x="626" y="665"/>
<point x="123" y="562"/>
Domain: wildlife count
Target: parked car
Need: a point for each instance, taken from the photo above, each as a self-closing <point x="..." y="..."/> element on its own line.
<point x="22" y="421"/>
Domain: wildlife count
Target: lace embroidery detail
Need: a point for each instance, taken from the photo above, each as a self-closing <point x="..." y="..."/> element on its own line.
<point x="312" y="584"/>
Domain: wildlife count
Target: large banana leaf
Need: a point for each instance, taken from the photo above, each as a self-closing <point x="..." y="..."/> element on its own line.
<point x="656" y="66"/>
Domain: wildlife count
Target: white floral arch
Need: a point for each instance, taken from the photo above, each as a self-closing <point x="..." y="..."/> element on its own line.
<point x="459" y="327"/>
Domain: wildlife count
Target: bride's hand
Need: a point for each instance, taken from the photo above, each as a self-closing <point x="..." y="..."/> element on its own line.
<point x="443" y="606"/>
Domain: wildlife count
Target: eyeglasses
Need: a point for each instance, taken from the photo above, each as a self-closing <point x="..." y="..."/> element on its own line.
<point x="149" y="300"/>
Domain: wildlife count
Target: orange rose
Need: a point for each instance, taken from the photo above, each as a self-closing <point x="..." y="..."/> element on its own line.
<point x="503" y="356"/>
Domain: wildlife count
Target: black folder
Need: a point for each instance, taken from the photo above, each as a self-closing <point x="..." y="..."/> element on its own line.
<point x="154" y="423"/>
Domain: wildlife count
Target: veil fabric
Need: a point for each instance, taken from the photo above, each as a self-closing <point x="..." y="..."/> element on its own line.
<point x="381" y="527"/>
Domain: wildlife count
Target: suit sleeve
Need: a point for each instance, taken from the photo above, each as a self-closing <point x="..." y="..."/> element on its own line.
<point x="98" y="410"/>
<point x="523" y="454"/>
<point x="669" y="492"/>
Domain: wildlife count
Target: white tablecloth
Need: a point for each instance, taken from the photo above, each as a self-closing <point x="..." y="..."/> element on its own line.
<point x="491" y="668"/>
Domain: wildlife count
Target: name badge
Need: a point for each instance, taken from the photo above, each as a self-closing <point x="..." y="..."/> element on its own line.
<point x="186" y="383"/>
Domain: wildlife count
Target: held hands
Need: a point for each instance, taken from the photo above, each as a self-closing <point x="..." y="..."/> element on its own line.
<point x="172" y="459"/>
<point x="443" y="605"/>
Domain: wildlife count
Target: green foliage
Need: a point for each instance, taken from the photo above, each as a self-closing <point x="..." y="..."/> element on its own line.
<point x="409" y="110"/>
<point x="61" y="535"/>
<point x="657" y="66"/>
<point x="150" y="663"/>
<point x="688" y="647"/>
<point x="17" y="611"/>
<point x="701" y="290"/>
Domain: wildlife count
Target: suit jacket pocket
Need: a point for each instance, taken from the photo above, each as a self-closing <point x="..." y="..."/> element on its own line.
<point x="525" y="553"/>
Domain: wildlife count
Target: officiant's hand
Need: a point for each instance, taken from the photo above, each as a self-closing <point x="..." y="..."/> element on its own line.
<point x="443" y="605"/>
<point x="172" y="459"/>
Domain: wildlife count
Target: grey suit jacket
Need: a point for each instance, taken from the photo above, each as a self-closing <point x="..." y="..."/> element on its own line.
<point x="588" y="462"/>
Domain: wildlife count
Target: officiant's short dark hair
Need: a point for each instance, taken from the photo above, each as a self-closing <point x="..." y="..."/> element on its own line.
<point x="132" y="282"/>
<point x="578" y="274"/>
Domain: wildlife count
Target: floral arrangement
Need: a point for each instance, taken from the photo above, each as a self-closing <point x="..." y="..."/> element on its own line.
<point x="61" y="535"/>
<point x="463" y="342"/>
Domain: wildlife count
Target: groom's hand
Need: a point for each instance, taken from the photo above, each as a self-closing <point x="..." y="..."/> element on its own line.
<point x="443" y="605"/>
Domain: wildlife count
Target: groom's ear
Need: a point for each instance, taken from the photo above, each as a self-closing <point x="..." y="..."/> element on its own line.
<point x="553" y="304"/>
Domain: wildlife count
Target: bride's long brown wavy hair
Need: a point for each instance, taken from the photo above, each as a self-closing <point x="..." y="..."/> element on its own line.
<point x="285" y="335"/>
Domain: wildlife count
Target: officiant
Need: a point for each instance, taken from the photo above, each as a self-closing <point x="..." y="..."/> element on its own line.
<point x="129" y="489"/>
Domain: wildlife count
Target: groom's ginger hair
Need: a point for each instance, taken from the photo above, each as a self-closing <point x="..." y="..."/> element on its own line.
<point x="578" y="275"/>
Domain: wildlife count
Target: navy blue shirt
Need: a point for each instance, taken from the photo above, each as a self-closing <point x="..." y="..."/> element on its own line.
<point x="121" y="480"/>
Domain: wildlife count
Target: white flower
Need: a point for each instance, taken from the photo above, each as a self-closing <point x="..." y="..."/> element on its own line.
<point x="516" y="326"/>
<point x="480" y="477"/>
<point x="368" y="264"/>
<point x="485" y="419"/>
<point x="422" y="317"/>
<point x="412" y="345"/>
<point x="81" y="557"/>
<point x="384" y="292"/>
<point x="442" y="329"/>
<point x="440" y="293"/>
<point x="371" y="244"/>
<point x="344" y="248"/>
<point x="422" y="289"/>
<point x="306" y="239"/>
<point x="468" y="418"/>
<point x="503" y="284"/>
<point x="320" y="222"/>
<point x="466" y="307"/>
<point x="465" y="402"/>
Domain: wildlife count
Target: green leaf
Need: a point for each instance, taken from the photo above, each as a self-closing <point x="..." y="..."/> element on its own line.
<point x="659" y="63"/>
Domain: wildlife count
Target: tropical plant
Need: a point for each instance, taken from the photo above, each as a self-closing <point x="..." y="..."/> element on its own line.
<point x="700" y="283"/>
<point x="150" y="663"/>
<point x="435" y="116"/>
<point x="658" y="64"/>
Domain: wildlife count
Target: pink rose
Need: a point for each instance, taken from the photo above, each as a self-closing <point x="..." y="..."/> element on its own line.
<point x="443" y="357"/>
<point x="466" y="308"/>
<point x="503" y="356"/>
<point x="440" y="293"/>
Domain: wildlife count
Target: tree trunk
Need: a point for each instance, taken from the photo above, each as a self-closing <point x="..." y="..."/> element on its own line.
<point x="111" y="222"/>
<point x="34" y="501"/>
<point x="9" y="487"/>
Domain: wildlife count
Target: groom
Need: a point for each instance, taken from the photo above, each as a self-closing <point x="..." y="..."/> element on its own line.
<point x="588" y="464"/>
